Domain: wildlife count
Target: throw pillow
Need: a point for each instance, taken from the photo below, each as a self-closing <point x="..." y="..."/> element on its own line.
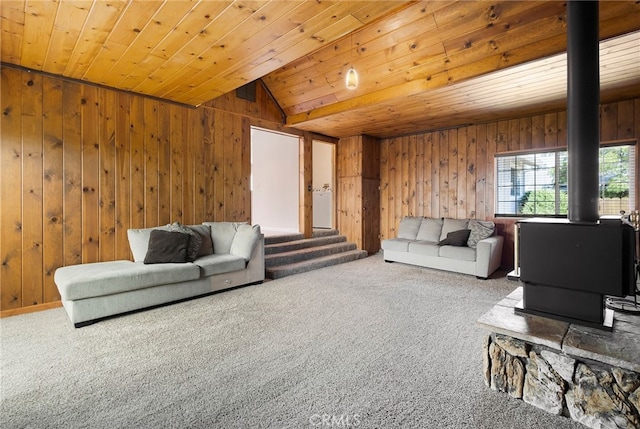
<point x="409" y="227"/>
<point x="206" y="248"/>
<point x="139" y="241"/>
<point x="430" y="229"/>
<point x="245" y="240"/>
<point x="194" y="239"/>
<point x="456" y="238"/>
<point x="450" y="225"/>
<point x="479" y="231"/>
<point x="166" y="247"/>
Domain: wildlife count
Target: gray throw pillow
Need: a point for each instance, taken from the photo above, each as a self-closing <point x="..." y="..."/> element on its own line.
<point x="166" y="247"/>
<point x="206" y="248"/>
<point x="195" y="240"/>
<point x="430" y="229"/>
<point x="245" y="240"/>
<point x="479" y="231"/>
<point x="409" y="227"/>
<point x="456" y="238"/>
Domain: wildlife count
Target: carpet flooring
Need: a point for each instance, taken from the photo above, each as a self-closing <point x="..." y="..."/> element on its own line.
<point x="363" y="344"/>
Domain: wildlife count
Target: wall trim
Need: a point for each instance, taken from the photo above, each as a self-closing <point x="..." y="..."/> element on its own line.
<point x="30" y="309"/>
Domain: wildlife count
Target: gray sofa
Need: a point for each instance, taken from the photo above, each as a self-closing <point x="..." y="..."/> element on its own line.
<point x="460" y="245"/>
<point x="233" y="256"/>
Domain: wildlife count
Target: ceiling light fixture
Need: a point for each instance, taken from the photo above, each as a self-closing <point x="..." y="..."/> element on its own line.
<point x="352" y="75"/>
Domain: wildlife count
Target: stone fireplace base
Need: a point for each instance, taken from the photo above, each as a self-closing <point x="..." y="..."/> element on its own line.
<point x="586" y="374"/>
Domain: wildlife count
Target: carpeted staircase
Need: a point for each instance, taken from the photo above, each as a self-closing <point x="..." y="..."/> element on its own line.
<point x="293" y="254"/>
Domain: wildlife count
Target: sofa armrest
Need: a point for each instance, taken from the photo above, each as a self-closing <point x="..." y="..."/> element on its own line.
<point x="488" y="255"/>
<point x="255" y="266"/>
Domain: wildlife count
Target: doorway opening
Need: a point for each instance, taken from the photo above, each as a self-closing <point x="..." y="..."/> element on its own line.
<point x="323" y="184"/>
<point x="275" y="181"/>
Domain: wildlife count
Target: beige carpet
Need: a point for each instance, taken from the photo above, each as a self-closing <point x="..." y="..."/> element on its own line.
<point x="364" y="344"/>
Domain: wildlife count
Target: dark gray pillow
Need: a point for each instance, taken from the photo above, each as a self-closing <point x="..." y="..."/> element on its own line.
<point x="194" y="242"/>
<point x="456" y="238"/>
<point x="167" y="247"/>
<point x="206" y="248"/>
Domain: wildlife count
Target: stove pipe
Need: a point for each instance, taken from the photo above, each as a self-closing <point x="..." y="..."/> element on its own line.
<point x="583" y="103"/>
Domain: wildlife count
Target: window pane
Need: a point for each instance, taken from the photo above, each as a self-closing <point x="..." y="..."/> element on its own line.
<point x="536" y="184"/>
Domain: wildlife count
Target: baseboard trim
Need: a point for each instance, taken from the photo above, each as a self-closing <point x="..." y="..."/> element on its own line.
<point x="30" y="309"/>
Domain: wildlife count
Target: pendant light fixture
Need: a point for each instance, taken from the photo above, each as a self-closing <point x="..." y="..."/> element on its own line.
<point x="351" y="80"/>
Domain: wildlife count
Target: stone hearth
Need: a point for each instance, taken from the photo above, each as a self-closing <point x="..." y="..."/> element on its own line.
<point x="587" y="374"/>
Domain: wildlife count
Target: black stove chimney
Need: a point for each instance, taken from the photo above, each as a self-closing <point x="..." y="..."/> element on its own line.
<point x="583" y="100"/>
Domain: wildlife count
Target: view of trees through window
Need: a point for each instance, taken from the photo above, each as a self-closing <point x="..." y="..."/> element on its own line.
<point x="536" y="183"/>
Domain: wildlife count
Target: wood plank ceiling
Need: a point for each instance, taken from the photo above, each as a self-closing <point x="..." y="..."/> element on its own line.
<point x="422" y="65"/>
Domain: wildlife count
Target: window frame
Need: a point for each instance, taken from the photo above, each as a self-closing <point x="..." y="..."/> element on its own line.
<point x="606" y="144"/>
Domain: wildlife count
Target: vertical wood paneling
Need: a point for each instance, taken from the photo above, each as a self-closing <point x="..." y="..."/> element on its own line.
<point x="164" y="164"/>
<point x="137" y="162"/>
<point x="358" y="176"/>
<point x="123" y="174"/>
<point x="177" y="163"/>
<point x="471" y="173"/>
<point x="90" y="174"/>
<point x="11" y="187"/>
<point x="53" y="184"/>
<point x="428" y="160"/>
<point x="72" y="137"/>
<point x="107" y="205"/>
<point x="305" y="173"/>
<point x="481" y="170"/>
<point x="420" y="167"/>
<point x="461" y="174"/>
<point x="151" y="195"/>
<point x="32" y="140"/>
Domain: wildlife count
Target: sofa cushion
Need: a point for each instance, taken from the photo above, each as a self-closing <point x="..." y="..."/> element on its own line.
<point x="450" y="225"/>
<point x="167" y="247"/>
<point x="218" y="264"/>
<point x="195" y="241"/>
<point x="398" y="244"/>
<point x="206" y="247"/>
<point x="139" y="241"/>
<point x="427" y="248"/>
<point x="456" y="238"/>
<point x="409" y="227"/>
<point x="479" y="231"/>
<point x="107" y="278"/>
<point x="430" y="229"/>
<point x="222" y="234"/>
<point x="457" y="252"/>
<point x="245" y="240"/>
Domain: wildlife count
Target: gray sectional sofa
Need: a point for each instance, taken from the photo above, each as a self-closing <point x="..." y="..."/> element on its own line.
<point x="230" y="254"/>
<point x="465" y="246"/>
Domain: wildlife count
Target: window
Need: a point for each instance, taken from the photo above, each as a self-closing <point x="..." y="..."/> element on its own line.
<point x="535" y="183"/>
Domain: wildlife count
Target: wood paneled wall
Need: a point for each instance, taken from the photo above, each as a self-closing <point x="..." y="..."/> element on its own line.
<point x="450" y="173"/>
<point x="358" y="195"/>
<point x="81" y="164"/>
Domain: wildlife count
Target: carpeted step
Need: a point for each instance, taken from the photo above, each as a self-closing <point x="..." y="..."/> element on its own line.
<point x="314" y="264"/>
<point x="304" y="254"/>
<point x="322" y="232"/>
<point x="270" y="249"/>
<point x="281" y="238"/>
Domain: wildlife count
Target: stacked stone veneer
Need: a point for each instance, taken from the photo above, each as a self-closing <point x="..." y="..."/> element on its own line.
<point x="592" y="393"/>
